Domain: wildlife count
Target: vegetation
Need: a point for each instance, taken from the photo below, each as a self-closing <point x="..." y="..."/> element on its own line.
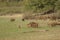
<point x="11" y="31"/>
<point x="38" y="5"/>
<point x="15" y="27"/>
<point x="35" y="6"/>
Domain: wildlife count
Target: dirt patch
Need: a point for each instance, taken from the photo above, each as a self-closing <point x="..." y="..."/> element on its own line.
<point x="14" y="15"/>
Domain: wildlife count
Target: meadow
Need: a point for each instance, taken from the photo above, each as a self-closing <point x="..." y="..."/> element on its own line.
<point x="11" y="31"/>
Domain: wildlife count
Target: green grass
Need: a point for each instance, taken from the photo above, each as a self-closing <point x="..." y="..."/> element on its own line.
<point x="10" y="31"/>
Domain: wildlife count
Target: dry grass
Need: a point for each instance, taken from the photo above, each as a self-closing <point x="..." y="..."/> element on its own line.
<point x="13" y="15"/>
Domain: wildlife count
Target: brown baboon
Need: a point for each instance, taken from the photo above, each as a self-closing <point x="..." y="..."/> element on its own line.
<point x="33" y="25"/>
<point x="29" y="25"/>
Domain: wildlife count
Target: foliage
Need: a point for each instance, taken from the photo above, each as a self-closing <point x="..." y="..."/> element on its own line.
<point x="41" y="4"/>
<point x="32" y="5"/>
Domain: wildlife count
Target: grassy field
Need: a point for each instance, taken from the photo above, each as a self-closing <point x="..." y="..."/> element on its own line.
<point x="10" y="30"/>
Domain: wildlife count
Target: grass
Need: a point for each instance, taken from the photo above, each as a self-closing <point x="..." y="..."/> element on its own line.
<point x="10" y="31"/>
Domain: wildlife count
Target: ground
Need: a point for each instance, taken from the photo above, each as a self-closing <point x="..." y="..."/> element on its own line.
<point x="11" y="31"/>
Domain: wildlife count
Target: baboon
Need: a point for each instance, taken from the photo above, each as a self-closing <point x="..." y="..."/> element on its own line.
<point x="29" y="25"/>
<point x="33" y="25"/>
